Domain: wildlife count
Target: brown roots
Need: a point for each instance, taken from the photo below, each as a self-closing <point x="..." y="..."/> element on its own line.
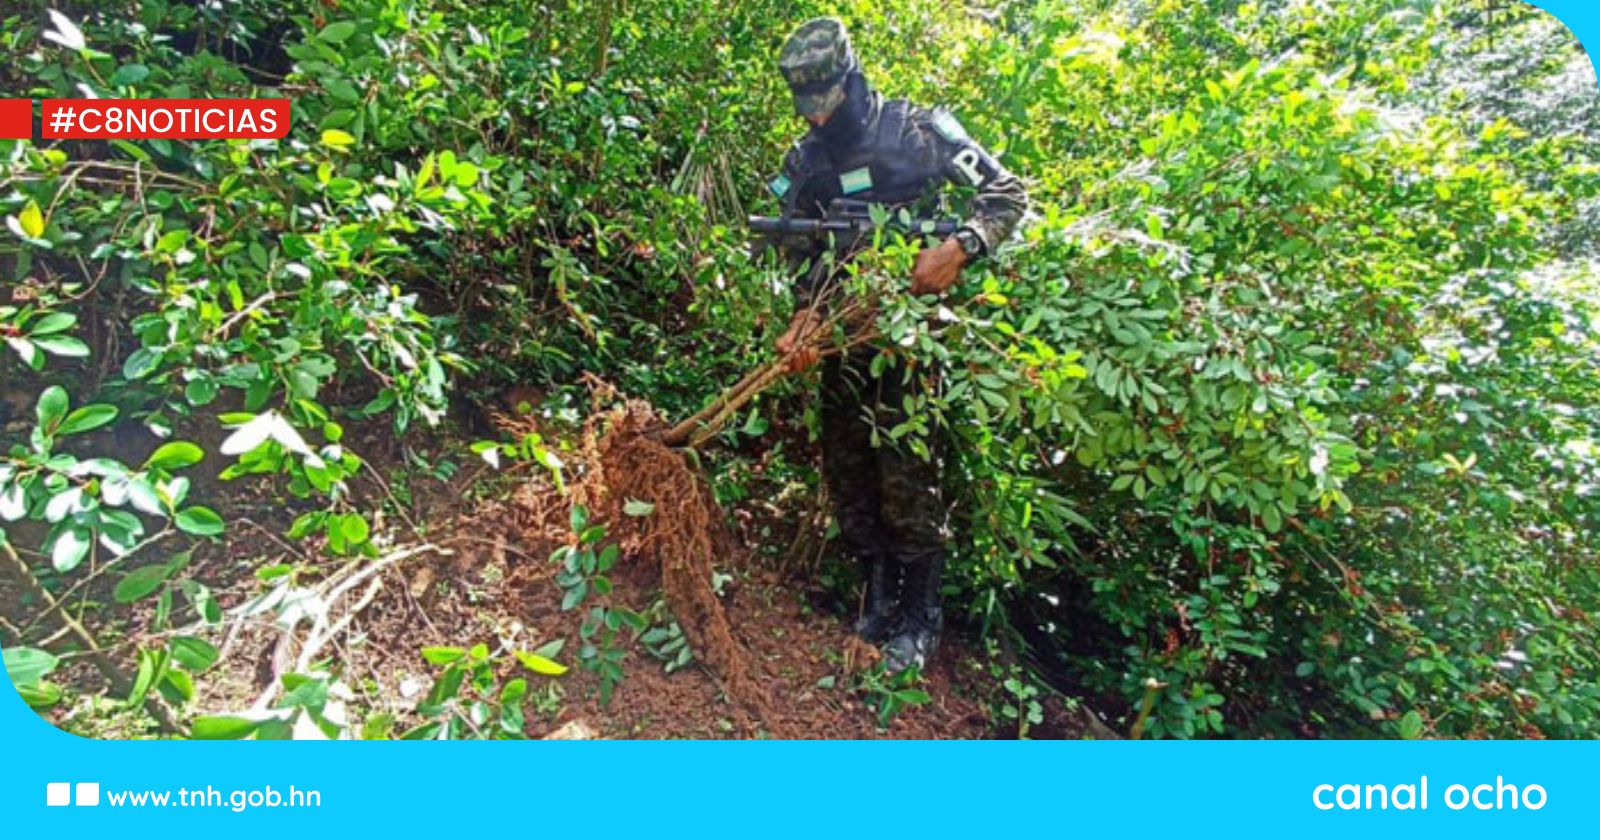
<point x="855" y="319"/>
<point x="631" y="455"/>
<point x="682" y="534"/>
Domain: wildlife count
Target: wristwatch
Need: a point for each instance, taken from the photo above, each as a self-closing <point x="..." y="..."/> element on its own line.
<point x="971" y="243"/>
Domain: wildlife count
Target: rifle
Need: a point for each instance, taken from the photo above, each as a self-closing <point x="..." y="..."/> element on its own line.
<point x="848" y="221"/>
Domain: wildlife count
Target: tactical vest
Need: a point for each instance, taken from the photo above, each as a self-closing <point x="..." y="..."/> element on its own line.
<point x="882" y="166"/>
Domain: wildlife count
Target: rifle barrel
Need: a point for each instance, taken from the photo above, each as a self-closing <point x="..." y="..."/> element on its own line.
<point x="777" y="226"/>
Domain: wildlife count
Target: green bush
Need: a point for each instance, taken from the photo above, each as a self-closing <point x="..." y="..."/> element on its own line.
<point x="1279" y="416"/>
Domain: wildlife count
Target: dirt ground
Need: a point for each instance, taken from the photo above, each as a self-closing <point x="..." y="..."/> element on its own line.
<point x="500" y="582"/>
<point x="491" y="581"/>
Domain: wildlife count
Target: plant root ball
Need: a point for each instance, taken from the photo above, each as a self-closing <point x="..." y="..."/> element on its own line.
<point x="626" y="460"/>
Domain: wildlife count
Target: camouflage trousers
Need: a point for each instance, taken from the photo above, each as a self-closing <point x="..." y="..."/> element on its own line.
<point x="887" y="500"/>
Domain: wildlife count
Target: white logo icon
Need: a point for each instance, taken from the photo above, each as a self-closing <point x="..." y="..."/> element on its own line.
<point x="59" y="794"/>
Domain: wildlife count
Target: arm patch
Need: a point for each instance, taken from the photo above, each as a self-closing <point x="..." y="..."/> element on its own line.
<point x="974" y="165"/>
<point x="948" y="126"/>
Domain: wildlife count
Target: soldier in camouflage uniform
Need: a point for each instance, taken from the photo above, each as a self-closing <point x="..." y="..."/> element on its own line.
<point x="891" y="514"/>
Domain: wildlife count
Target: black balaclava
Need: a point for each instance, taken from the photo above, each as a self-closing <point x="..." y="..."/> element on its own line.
<point x="847" y="122"/>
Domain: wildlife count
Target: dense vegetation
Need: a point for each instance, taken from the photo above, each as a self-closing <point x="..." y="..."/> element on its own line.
<point x="1280" y="419"/>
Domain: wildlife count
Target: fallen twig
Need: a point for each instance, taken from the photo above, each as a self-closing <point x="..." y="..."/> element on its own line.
<point x="119" y="680"/>
<point x="322" y="629"/>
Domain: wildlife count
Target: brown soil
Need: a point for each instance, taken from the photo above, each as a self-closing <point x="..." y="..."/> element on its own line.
<point x="795" y="654"/>
<point x="761" y="642"/>
<point x="771" y="659"/>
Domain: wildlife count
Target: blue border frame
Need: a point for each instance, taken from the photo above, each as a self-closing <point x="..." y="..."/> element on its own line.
<point x="1582" y="17"/>
<point x="799" y="789"/>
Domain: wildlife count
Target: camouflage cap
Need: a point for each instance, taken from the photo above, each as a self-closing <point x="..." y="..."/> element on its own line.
<point x="814" y="62"/>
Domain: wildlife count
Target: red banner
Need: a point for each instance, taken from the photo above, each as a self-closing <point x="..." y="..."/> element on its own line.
<point x="16" y="119"/>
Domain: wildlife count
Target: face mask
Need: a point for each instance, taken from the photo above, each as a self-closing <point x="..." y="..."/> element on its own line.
<point x="851" y="116"/>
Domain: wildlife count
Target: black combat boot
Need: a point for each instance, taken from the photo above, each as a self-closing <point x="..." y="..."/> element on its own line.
<point x="883" y="593"/>
<point x="921" y="617"/>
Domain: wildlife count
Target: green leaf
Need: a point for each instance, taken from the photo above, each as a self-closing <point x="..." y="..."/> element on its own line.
<point x="424" y="173"/>
<point x="655" y="636"/>
<point x="142" y="494"/>
<point x="31" y="219"/>
<point x="337" y="139"/>
<point x="275" y="729"/>
<point x="69" y="549"/>
<point x="174" y="455"/>
<point x="195" y="654"/>
<point x="28" y="665"/>
<point x="52" y="407"/>
<point x="172" y="241"/>
<point x="87" y="418"/>
<point x="130" y="74"/>
<point x="448" y="685"/>
<point x="151" y="667"/>
<point x="1271" y="518"/>
<point x="200" y="521"/>
<point x="755" y="426"/>
<point x="1411" y="725"/>
<point x="221" y="728"/>
<point x="514" y="691"/>
<point x="140" y="583"/>
<point x="33" y="356"/>
<point x="132" y="150"/>
<point x="200" y="391"/>
<point x="540" y="665"/>
<point x="177" y="686"/>
<point x="305" y="523"/>
<point x="54" y="322"/>
<point x="355" y="528"/>
<point x="302" y="691"/>
<point x="140" y="363"/>
<point x="66" y="33"/>
<point x="337" y="32"/>
<point x="442" y="655"/>
<point x="377" y="727"/>
<point x="634" y="507"/>
<point x="425" y="732"/>
<point x="207" y="606"/>
<point x="40" y="695"/>
<point x="258" y="256"/>
<point x="251" y="434"/>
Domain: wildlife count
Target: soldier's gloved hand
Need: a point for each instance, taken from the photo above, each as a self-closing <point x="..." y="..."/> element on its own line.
<point x="938" y="268"/>
<point x="792" y="346"/>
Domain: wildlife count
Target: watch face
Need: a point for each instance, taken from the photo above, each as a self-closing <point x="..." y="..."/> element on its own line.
<point x="969" y="242"/>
